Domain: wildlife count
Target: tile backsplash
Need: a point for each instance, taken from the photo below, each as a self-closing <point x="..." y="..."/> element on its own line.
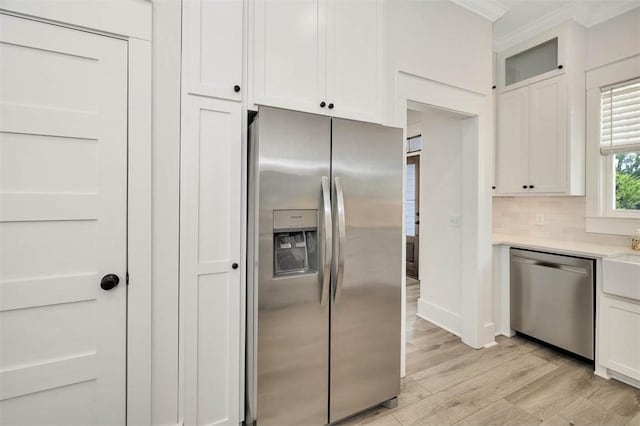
<point x="564" y="219"/>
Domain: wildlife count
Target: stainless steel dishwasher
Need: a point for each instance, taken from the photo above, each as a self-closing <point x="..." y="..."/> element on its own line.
<point x="552" y="299"/>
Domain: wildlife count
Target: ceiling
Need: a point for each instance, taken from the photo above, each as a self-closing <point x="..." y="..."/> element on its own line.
<point x="517" y="20"/>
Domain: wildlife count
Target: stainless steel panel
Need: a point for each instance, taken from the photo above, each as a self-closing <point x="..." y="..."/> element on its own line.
<point x="552" y="299"/>
<point x="289" y="360"/>
<point x="367" y="160"/>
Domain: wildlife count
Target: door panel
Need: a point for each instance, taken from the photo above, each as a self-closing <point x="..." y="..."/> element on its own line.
<point x="365" y="318"/>
<point x="290" y="54"/>
<point x="354" y="53"/>
<point x="412" y="215"/>
<point x="63" y="158"/>
<point x="547" y="136"/>
<point x="213" y="30"/>
<point x="210" y="244"/>
<point x="513" y="135"/>
<point x="292" y="154"/>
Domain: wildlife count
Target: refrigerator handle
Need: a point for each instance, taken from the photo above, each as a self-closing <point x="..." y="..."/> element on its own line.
<point x="328" y="243"/>
<point x="341" y="239"/>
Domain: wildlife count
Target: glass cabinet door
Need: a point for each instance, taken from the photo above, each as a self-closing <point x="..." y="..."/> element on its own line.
<point x="531" y="62"/>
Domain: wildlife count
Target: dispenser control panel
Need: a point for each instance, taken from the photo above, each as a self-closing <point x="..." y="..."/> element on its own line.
<point x="295" y="236"/>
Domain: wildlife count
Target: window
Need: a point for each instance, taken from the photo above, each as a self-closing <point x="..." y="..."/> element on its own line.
<point x="620" y="146"/>
<point x="414" y="143"/>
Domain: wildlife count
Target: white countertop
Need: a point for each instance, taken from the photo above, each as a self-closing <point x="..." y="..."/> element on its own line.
<point x="576" y="248"/>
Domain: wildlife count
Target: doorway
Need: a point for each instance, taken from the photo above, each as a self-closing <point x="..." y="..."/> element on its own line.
<point x="412" y="214"/>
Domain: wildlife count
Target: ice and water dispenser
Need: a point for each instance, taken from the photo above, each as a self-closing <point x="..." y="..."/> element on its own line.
<point x="295" y="240"/>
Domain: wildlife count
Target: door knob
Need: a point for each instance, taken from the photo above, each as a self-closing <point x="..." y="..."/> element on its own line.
<point x="234" y="265"/>
<point x="236" y="88"/>
<point x="109" y="281"/>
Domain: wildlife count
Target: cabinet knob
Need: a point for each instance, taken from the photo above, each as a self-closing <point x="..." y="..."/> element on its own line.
<point x="323" y="104"/>
<point x="493" y="187"/>
<point x="531" y="186"/>
<point x="524" y="186"/>
<point x="236" y="88"/>
<point x="330" y="106"/>
<point x="560" y="67"/>
<point x="493" y="87"/>
<point x="234" y="265"/>
<point x="109" y="281"/>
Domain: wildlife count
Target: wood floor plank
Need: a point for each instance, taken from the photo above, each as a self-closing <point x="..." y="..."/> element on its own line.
<point x="500" y="413"/>
<point x="548" y="395"/>
<point x="584" y="412"/>
<point x="466" y="398"/>
<point x="467" y="366"/>
<point x="615" y="396"/>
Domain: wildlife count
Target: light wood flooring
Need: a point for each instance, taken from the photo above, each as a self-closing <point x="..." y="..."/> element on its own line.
<point x="517" y="382"/>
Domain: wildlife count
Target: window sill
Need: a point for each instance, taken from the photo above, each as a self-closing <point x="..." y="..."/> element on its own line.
<point x="612" y="225"/>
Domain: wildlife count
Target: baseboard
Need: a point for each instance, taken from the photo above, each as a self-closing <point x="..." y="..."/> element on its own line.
<point x="440" y="316"/>
<point x="624" y="379"/>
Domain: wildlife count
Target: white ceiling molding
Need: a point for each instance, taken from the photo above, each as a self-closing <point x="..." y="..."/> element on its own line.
<point x="583" y="13"/>
<point x="488" y="9"/>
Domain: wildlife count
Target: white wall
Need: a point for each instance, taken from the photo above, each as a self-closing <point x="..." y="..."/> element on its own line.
<point x="440" y="198"/>
<point x="437" y="40"/>
<point x="615" y="39"/>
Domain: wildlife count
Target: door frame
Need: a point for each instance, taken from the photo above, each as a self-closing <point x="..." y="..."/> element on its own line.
<point x="477" y="328"/>
<point x="414" y="157"/>
<point x="128" y="20"/>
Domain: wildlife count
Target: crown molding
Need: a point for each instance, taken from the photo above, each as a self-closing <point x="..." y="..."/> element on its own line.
<point x="583" y="13"/>
<point x="488" y="9"/>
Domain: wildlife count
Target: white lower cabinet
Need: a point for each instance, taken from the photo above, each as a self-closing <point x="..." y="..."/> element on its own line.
<point x="210" y="236"/>
<point x="619" y="336"/>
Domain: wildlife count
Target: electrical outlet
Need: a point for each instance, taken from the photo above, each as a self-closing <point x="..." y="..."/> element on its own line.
<point x="540" y="219"/>
<point x="455" y="221"/>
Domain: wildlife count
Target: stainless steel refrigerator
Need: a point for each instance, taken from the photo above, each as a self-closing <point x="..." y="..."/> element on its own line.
<point x="324" y="256"/>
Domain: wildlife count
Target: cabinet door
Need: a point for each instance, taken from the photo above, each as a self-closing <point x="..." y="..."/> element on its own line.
<point x="547" y="136"/>
<point x="210" y="235"/>
<point x="213" y="47"/>
<point x="289" y="54"/>
<point x="354" y="71"/>
<point x="618" y="339"/>
<point x="513" y="134"/>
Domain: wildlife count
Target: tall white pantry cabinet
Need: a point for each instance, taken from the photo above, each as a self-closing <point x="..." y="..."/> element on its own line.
<point x="210" y="213"/>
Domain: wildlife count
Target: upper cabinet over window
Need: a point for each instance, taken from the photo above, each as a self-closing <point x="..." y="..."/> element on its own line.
<point x="540" y="147"/>
<point x="319" y="56"/>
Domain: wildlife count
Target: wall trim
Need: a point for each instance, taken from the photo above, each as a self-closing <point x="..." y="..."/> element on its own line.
<point x="442" y="317"/>
<point x="581" y="13"/>
<point x="488" y="9"/>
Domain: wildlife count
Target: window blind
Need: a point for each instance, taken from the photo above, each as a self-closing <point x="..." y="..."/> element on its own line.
<point x="620" y="118"/>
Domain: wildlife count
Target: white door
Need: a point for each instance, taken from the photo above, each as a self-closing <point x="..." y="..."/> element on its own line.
<point x="210" y="233"/>
<point x="213" y="46"/>
<point x="354" y="59"/>
<point x="548" y="136"/>
<point x="513" y="133"/>
<point x="63" y="139"/>
<point x="290" y="54"/>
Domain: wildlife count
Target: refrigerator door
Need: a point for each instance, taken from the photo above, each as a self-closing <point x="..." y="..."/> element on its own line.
<point x="367" y="164"/>
<point x="288" y="362"/>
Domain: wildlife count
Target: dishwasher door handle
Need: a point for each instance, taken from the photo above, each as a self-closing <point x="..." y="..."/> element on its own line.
<point x="567" y="268"/>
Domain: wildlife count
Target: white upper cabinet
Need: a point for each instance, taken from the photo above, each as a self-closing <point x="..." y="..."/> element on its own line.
<point x="547" y="136"/>
<point x="289" y="54"/>
<point x="319" y="56"/>
<point x="213" y="46"/>
<point x="513" y="130"/>
<point x="354" y="80"/>
<point x="540" y="147"/>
